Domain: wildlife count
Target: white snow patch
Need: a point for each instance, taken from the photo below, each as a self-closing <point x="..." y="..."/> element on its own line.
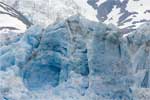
<point x="121" y="0"/>
<point x="87" y="10"/>
<point x="8" y="21"/>
<point x="140" y="7"/>
<point x="113" y="17"/>
<point x="100" y="2"/>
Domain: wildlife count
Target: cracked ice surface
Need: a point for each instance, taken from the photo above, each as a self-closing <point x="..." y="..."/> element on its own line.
<point x="75" y="59"/>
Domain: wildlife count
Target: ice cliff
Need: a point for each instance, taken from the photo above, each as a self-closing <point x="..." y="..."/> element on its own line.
<point x="75" y="59"/>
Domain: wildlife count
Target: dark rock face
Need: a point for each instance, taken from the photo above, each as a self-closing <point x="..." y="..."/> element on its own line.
<point x="104" y="9"/>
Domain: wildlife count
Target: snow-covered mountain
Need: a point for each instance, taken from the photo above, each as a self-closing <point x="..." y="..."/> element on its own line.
<point x="126" y="14"/>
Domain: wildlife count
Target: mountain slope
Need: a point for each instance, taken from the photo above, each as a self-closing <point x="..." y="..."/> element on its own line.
<point x="127" y="14"/>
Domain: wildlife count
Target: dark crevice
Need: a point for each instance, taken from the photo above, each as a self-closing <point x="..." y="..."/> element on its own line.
<point x="145" y="81"/>
<point x="119" y="49"/>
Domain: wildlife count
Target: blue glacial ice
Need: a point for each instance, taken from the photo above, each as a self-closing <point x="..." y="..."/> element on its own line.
<point x="75" y="59"/>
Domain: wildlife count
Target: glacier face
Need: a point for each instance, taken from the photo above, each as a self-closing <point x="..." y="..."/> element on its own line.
<point x="75" y="59"/>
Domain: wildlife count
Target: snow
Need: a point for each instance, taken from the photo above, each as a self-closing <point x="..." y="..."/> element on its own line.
<point x="53" y="10"/>
<point x="133" y="6"/>
<point x="99" y="2"/>
<point x="113" y="16"/>
<point x="140" y="7"/>
<point x="86" y="10"/>
<point x="9" y="21"/>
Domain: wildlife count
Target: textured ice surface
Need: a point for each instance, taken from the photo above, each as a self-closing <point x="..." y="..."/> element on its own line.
<point x="45" y="12"/>
<point x="76" y="59"/>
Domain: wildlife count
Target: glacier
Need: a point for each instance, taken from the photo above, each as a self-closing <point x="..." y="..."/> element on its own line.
<point x="75" y="59"/>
